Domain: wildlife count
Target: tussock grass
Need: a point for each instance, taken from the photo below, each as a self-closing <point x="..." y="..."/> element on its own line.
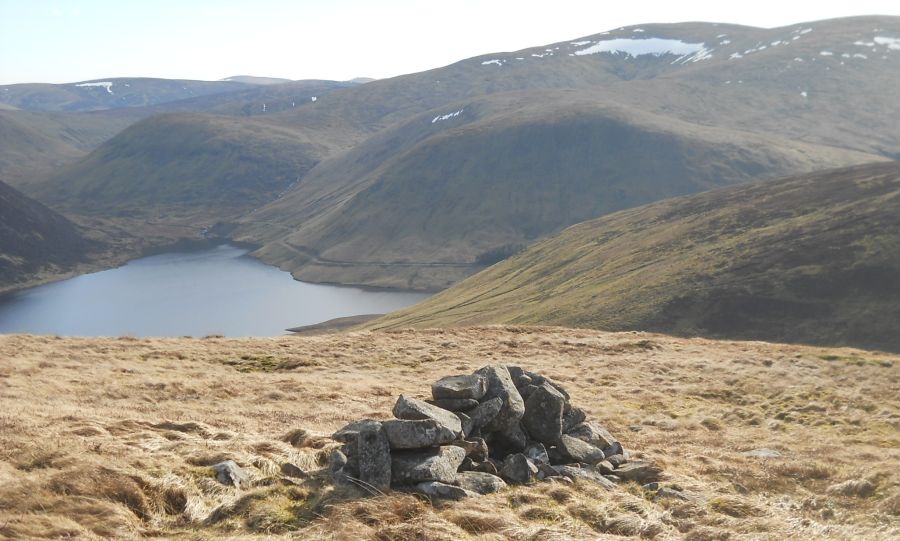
<point x="115" y="438"/>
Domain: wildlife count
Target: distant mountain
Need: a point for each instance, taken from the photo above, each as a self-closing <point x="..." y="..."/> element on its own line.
<point x="111" y="93"/>
<point x="490" y="136"/>
<point x="35" y="240"/>
<point x="258" y="100"/>
<point x="410" y="181"/>
<point x="419" y="205"/>
<point x="35" y="143"/>
<point x="811" y="259"/>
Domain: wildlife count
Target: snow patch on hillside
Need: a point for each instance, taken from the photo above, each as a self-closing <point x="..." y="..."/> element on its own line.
<point x="447" y="116"/>
<point x="641" y="47"/>
<point x="494" y="61"/>
<point x="105" y="84"/>
<point x="891" y="43"/>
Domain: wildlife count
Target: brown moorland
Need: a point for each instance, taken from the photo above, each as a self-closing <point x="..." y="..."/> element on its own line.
<point x="114" y="438"/>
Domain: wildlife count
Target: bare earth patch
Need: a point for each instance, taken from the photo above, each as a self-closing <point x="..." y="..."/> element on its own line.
<point x="115" y="438"/>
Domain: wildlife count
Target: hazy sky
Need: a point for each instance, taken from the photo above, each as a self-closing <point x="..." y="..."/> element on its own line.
<point x="67" y="41"/>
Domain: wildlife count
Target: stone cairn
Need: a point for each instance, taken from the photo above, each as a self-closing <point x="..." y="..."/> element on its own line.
<point x="499" y="425"/>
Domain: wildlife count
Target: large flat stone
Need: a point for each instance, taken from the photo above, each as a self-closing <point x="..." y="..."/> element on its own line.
<point x="455" y="405"/>
<point x="485" y="412"/>
<point x="404" y="434"/>
<point x="639" y="471"/>
<point x="518" y="470"/>
<point x="374" y="458"/>
<point x="443" y="491"/>
<point x="579" y="451"/>
<point x="538" y="379"/>
<point x="500" y="385"/>
<point x="587" y="474"/>
<point x="412" y="467"/>
<point x="350" y="432"/>
<point x="479" y="482"/>
<point x="413" y="409"/>
<point x="468" y="386"/>
<point x="594" y="434"/>
<point x="543" y="418"/>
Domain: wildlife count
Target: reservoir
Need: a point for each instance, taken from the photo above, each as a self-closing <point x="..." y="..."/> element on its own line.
<point x="217" y="290"/>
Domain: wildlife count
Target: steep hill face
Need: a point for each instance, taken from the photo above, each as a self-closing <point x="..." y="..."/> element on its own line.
<point x="452" y="186"/>
<point x="813" y="259"/>
<point x="34" y="239"/>
<point x="505" y="148"/>
<point x="184" y="162"/>
<point x="112" y="93"/>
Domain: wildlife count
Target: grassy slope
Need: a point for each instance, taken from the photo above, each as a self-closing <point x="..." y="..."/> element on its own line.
<point x="35" y="239"/>
<point x="508" y="170"/>
<point x="113" y="438"/>
<point x="184" y="161"/>
<point x="483" y="178"/>
<point x="812" y="259"/>
<point x="34" y="144"/>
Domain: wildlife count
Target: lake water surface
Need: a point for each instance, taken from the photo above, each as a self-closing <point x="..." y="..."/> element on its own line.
<point x="209" y="291"/>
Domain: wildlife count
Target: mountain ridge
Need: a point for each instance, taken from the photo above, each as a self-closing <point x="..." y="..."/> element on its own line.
<point x="385" y="148"/>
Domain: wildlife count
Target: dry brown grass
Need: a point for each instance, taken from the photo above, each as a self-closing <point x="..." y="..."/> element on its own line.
<point x="114" y="438"/>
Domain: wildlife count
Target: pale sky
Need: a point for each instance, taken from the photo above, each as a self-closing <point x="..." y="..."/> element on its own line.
<point x="68" y="41"/>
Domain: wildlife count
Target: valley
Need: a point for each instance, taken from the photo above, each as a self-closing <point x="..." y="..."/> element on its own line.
<point x="641" y="283"/>
<point x="809" y="259"/>
<point x="575" y="129"/>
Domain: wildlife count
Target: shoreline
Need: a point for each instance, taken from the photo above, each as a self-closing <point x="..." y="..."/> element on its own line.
<point x="110" y="261"/>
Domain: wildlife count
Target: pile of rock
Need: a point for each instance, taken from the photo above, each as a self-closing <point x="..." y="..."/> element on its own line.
<point x="499" y="425"/>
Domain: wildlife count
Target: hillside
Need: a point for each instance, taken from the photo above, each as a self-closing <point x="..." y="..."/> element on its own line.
<point x="506" y="170"/>
<point x="34" y="144"/>
<point x="113" y="93"/>
<point x="504" y="149"/>
<point x="183" y="163"/>
<point x="809" y="259"/>
<point x="114" y="438"/>
<point x="468" y="153"/>
<point x="35" y="240"/>
<point x="37" y="143"/>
